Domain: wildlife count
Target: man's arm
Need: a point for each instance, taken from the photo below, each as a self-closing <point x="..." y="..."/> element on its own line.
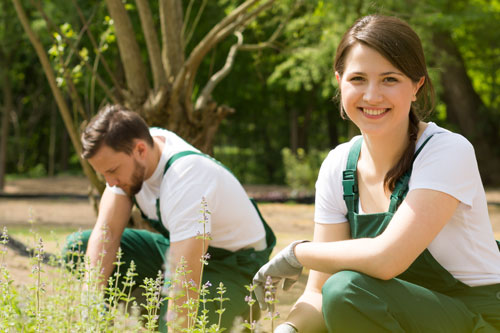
<point x="114" y="213"/>
<point x="192" y="249"/>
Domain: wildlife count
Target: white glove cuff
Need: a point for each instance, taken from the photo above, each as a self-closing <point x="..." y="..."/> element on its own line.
<point x="290" y="324"/>
<point x="286" y="327"/>
<point x="290" y="256"/>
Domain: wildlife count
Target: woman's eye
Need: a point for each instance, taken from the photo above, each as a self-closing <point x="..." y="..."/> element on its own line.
<point x="356" y="78"/>
<point x="390" y="79"/>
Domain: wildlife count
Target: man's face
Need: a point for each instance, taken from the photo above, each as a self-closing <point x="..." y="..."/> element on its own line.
<point x="137" y="179"/>
<point x="119" y="169"/>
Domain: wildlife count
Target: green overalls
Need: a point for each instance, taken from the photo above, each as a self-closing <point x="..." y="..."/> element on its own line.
<point x="233" y="269"/>
<point x="424" y="298"/>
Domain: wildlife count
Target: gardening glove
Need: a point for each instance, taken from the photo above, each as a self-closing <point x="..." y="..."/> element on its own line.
<point x="283" y="266"/>
<point x="285" y="328"/>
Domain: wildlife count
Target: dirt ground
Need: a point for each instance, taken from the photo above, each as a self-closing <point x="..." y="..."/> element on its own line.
<point x="289" y="221"/>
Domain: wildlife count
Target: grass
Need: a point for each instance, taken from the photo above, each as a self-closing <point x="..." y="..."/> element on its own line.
<point x="53" y="238"/>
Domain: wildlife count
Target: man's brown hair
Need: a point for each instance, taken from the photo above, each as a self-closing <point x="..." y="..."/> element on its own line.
<point x="116" y="127"/>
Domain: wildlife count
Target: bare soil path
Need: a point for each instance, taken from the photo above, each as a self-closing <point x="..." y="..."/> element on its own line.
<point x="289" y="221"/>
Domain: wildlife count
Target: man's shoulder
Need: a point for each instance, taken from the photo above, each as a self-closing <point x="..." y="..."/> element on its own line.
<point x="158" y="131"/>
<point x="197" y="164"/>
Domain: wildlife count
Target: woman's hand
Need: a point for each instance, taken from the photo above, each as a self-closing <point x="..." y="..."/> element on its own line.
<point x="283" y="266"/>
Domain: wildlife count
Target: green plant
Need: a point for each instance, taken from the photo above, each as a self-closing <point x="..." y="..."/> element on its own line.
<point x="66" y="296"/>
<point x="301" y="169"/>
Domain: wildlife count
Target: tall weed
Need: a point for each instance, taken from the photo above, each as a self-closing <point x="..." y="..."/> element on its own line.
<point x="66" y="296"/>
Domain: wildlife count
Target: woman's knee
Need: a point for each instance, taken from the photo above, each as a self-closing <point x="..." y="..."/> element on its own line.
<point x="340" y="292"/>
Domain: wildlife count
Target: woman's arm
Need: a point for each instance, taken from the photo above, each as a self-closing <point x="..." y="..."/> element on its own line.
<point x="306" y="314"/>
<point x="418" y="220"/>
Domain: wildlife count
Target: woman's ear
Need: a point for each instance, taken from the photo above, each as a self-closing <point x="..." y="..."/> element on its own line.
<point x="418" y="85"/>
<point x="337" y="76"/>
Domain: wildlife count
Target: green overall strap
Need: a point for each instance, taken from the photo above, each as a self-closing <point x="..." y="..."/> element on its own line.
<point x="401" y="188"/>
<point x="349" y="181"/>
<point x="350" y="184"/>
<point x="176" y="156"/>
<point x="158" y="224"/>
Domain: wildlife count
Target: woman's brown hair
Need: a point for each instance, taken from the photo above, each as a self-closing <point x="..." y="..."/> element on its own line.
<point x="396" y="41"/>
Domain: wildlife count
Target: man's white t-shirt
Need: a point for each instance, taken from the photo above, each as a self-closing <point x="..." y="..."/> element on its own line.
<point x="233" y="222"/>
<point x="466" y="246"/>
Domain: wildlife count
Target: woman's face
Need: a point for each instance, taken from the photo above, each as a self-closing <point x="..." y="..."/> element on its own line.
<point x="376" y="95"/>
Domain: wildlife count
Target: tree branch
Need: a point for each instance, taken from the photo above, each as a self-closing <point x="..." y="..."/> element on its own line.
<point x="186" y="18"/>
<point x="242" y="22"/>
<point x="96" y="47"/>
<point x="184" y="80"/>
<point x="172" y="44"/>
<point x="270" y="42"/>
<point x="74" y="50"/>
<point x="195" y="23"/>
<point x="204" y="44"/>
<point x="239" y="23"/>
<point x="207" y="43"/>
<point x="130" y="54"/>
<point x="156" y="99"/>
<point x="154" y="52"/>
<point x="61" y="103"/>
<point x="206" y="93"/>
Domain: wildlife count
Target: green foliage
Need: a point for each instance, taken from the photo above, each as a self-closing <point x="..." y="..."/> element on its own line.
<point x="307" y="60"/>
<point x="245" y="163"/>
<point x="37" y="171"/>
<point x="264" y="87"/>
<point x="302" y="169"/>
<point x="68" y="297"/>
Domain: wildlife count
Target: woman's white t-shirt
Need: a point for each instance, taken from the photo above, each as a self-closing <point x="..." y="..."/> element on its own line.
<point x="233" y="222"/>
<point x="466" y="246"/>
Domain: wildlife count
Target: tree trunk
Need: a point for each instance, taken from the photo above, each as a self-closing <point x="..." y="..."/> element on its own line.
<point x="170" y="102"/>
<point x="172" y="43"/>
<point x="294" y="130"/>
<point x="64" y="152"/>
<point x="135" y="71"/>
<point x="52" y="141"/>
<point x="332" y="120"/>
<point x="465" y="108"/>
<point x="152" y="44"/>
<point x="7" y="108"/>
<point x="58" y="95"/>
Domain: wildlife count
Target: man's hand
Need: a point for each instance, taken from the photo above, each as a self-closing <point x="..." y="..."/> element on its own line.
<point x="283" y="266"/>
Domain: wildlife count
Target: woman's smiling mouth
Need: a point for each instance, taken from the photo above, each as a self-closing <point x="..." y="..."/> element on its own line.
<point x="373" y="112"/>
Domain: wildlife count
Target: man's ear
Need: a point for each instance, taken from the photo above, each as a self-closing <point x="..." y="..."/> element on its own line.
<point x="140" y="147"/>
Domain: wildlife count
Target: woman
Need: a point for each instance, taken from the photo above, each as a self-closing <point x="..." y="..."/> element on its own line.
<point x="402" y="238"/>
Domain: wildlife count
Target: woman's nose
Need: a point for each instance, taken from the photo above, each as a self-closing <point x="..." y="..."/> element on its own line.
<point x="372" y="94"/>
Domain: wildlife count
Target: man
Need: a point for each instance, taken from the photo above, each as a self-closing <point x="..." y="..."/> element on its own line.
<point x="167" y="179"/>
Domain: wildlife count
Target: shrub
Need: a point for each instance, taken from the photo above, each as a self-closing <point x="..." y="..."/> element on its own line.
<point x="301" y="169"/>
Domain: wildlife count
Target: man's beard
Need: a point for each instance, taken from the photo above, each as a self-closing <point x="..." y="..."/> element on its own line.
<point x="137" y="179"/>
